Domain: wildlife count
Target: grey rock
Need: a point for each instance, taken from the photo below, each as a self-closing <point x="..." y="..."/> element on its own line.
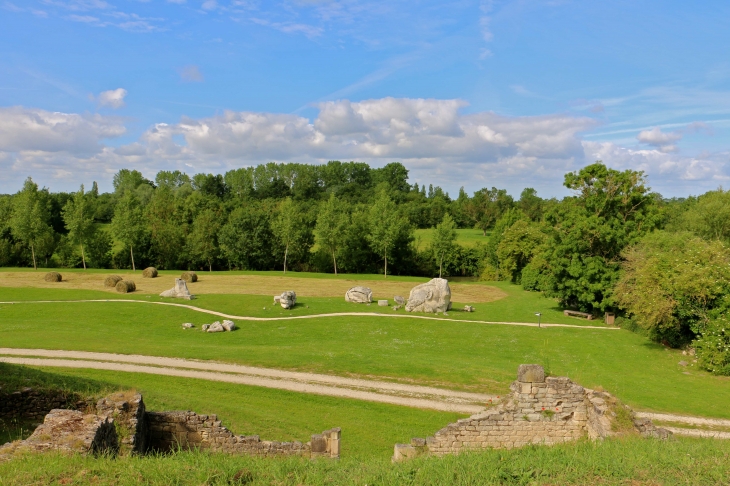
<point x="205" y="327"/>
<point x="187" y="325"/>
<point x="433" y="296"/>
<point x="468" y="308"/>
<point x="228" y="325"/>
<point x="683" y="363"/>
<point x="216" y="327"/>
<point x="179" y="291"/>
<point x="383" y="303"/>
<point x="531" y="373"/>
<point x="397" y="307"/>
<point x="288" y="299"/>
<point x="399" y="300"/>
<point x="359" y="295"/>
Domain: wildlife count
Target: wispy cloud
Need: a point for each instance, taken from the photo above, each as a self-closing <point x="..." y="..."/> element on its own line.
<point x="191" y="74"/>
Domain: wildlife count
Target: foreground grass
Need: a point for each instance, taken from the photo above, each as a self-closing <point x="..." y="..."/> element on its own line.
<point x="611" y="462"/>
<point x="468" y="356"/>
<point x="369" y="430"/>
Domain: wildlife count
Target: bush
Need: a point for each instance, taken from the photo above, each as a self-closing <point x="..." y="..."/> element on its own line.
<point x="713" y="347"/>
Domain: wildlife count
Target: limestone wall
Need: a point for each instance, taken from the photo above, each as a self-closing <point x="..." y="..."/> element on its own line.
<point x="188" y="430"/>
<point x="34" y="404"/>
<point x="128" y="410"/>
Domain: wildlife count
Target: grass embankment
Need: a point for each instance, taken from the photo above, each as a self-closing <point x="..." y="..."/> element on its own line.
<point x="369" y="429"/>
<point x="468" y="238"/>
<point x="632" y="461"/>
<point x="470" y="356"/>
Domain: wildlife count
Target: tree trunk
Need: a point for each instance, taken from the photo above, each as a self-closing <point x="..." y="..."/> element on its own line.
<point x="32" y="250"/>
<point x="385" y="273"/>
<point x="334" y="260"/>
<point x="132" y="254"/>
<point x="286" y="252"/>
<point x="441" y="264"/>
<point x="83" y="258"/>
<point x="210" y="266"/>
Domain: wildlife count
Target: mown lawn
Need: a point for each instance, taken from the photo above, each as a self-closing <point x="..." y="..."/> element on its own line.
<point x="465" y="237"/>
<point x="465" y="355"/>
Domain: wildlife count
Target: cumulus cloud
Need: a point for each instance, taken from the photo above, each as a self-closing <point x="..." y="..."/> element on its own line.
<point x="191" y="74"/>
<point x="114" y="98"/>
<point x="663" y="141"/>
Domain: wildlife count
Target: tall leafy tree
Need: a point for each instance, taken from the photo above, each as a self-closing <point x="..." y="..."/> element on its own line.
<point x="128" y="222"/>
<point x="246" y="239"/>
<point x="709" y="217"/>
<point x="610" y="211"/>
<point x="30" y="217"/>
<point x="290" y="229"/>
<point x="331" y="223"/>
<point x="78" y="215"/>
<point x="386" y="225"/>
<point x="487" y="206"/>
<point x="203" y="238"/>
<point x="519" y="243"/>
<point x="444" y="236"/>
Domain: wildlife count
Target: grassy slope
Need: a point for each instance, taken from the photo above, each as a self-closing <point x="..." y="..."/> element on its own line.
<point x="458" y="355"/>
<point x="632" y="461"/>
<point x="464" y="237"/>
<point x="369" y="429"/>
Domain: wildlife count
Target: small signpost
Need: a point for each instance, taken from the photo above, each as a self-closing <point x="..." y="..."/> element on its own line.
<point x="538" y="314"/>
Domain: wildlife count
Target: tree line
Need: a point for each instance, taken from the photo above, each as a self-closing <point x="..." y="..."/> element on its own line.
<point x="611" y="246"/>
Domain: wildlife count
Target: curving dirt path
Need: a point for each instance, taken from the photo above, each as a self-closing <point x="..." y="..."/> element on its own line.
<point x="312" y="316"/>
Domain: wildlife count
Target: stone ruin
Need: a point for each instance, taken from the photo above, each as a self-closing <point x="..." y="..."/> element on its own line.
<point x="359" y="295"/>
<point x="433" y="296"/>
<point x="179" y="291"/>
<point x="287" y="299"/>
<point x="538" y="410"/>
<point x="98" y="432"/>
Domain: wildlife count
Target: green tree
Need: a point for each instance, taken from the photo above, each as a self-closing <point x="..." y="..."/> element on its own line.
<point x="443" y="240"/>
<point x="246" y="240"/>
<point x="588" y="232"/>
<point x="386" y="225"/>
<point x="291" y="230"/>
<point x="531" y="204"/>
<point x="519" y="243"/>
<point x="331" y="224"/>
<point x="167" y="228"/>
<point x="30" y="217"/>
<point x="709" y="217"/>
<point x="128" y="222"/>
<point x="203" y="239"/>
<point x="674" y="284"/>
<point x="487" y="206"/>
<point x="78" y="216"/>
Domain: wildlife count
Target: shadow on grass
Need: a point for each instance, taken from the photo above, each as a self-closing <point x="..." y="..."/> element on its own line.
<point x="16" y="377"/>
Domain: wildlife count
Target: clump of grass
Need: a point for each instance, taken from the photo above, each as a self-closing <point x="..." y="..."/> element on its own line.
<point x="126" y="286"/>
<point x="149" y="272"/>
<point x="112" y="281"/>
<point x="189" y="277"/>
<point x="53" y="277"/>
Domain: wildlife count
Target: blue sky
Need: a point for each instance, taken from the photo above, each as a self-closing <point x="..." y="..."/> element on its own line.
<point x="465" y="93"/>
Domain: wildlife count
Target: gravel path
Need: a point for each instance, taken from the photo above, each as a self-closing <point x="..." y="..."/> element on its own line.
<point x="313" y="316"/>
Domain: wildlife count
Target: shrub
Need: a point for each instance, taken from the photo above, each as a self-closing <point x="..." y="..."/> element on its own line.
<point x="189" y="277"/>
<point x="112" y="280"/>
<point x="713" y="346"/>
<point x="52" y="277"/>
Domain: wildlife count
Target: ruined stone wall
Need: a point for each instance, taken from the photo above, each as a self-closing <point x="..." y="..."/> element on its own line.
<point x="188" y="430"/>
<point x="128" y="411"/>
<point x="33" y="404"/>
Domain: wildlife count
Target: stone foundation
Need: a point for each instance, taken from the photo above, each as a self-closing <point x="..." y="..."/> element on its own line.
<point x="33" y="404"/>
<point x="538" y="410"/>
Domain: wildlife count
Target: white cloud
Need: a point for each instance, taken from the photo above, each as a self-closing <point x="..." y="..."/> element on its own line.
<point x="209" y="5"/>
<point x="113" y="98"/>
<point x="191" y="74"/>
<point x="661" y="140"/>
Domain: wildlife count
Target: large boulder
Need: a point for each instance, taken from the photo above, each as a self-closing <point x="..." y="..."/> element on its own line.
<point x="179" y="291"/>
<point x="288" y="299"/>
<point x="433" y="296"/>
<point x="359" y="295"/>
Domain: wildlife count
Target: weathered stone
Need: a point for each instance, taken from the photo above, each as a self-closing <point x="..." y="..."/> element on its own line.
<point x="399" y="300"/>
<point x="179" y="291"/>
<point x="205" y="327"/>
<point x="531" y="373"/>
<point x="187" y="325"/>
<point x="288" y="299"/>
<point x="383" y="303"/>
<point x="468" y="308"/>
<point x="228" y="325"/>
<point x="216" y="327"/>
<point x="433" y="296"/>
<point x="359" y="295"/>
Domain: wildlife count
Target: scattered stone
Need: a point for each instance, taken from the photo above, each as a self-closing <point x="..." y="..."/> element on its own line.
<point x="112" y="280"/>
<point x="683" y="363"/>
<point x="277" y="299"/>
<point x="189" y="277"/>
<point x="530" y="373"/>
<point x="287" y="299"/>
<point x="383" y="303"/>
<point x="53" y="277"/>
<point x="126" y="286"/>
<point x="228" y="325"/>
<point x="187" y="325"/>
<point x="359" y="295"/>
<point x="396" y="307"/>
<point x="399" y="300"/>
<point x="468" y="308"/>
<point x="149" y="272"/>
<point x="179" y="291"/>
<point x="433" y="296"/>
<point x="205" y="327"/>
<point x="216" y="327"/>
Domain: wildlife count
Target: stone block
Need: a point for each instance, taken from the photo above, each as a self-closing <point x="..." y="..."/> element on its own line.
<point x="530" y="373"/>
